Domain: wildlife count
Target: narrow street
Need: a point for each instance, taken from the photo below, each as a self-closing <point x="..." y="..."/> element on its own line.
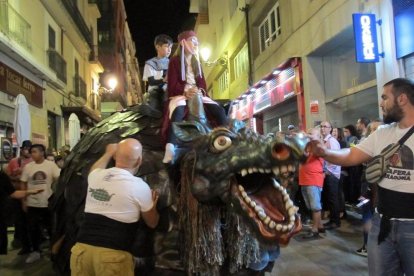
<point x="334" y="254"/>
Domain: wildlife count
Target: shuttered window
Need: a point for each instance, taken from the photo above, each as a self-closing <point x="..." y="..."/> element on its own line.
<point x="270" y="28"/>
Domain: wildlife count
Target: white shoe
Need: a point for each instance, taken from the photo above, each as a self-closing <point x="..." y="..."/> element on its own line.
<point x="169" y="153"/>
<point x="33" y="257"/>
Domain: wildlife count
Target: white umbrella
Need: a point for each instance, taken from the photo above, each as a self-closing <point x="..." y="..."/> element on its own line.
<point x="22" y="121"/>
<point x="74" y="130"/>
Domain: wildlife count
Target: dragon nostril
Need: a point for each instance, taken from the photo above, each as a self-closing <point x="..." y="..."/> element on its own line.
<point x="280" y="152"/>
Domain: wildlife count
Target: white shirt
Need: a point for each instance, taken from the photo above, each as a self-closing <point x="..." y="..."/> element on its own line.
<point x="40" y="176"/>
<point x="117" y="194"/>
<point x="401" y="170"/>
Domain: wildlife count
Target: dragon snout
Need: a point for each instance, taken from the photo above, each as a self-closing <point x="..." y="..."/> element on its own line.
<point x="280" y="151"/>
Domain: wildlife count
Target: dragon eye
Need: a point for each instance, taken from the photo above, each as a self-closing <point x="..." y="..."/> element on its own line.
<point x="221" y="143"/>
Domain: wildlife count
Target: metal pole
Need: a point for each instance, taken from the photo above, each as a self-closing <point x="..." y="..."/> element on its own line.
<point x="245" y="9"/>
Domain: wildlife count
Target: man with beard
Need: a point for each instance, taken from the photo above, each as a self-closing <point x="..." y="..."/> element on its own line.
<point x="390" y="241"/>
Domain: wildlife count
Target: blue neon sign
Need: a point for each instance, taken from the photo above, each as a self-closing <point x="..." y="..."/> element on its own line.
<point x="365" y="34"/>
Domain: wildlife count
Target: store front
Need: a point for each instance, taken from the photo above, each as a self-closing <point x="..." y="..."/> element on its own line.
<point x="13" y="83"/>
<point x="275" y="101"/>
<point x="404" y="37"/>
<point x="344" y="89"/>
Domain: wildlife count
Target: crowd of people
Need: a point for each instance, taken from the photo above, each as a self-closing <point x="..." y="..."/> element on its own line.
<point x="332" y="175"/>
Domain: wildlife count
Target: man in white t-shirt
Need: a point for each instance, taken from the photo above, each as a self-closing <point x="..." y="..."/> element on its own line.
<point x="38" y="174"/>
<point x="115" y="202"/>
<point x="391" y="240"/>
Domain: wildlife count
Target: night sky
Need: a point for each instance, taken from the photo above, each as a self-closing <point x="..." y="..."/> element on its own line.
<point x="148" y="18"/>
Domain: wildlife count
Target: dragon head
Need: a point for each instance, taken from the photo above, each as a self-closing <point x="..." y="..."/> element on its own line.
<point x="242" y="169"/>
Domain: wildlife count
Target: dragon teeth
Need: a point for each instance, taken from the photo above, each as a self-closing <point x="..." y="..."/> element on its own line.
<point x="275" y="171"/>
<point x="262" y="215"/>
<point x="272" y="225"/>
<point x="279" y="227"/>
<point x="244" y="194"/>
<point x="267" y="220"/>
<point x="243" y="172"/>
<point x="250" y="170"/>
<point x="241" y="188"/>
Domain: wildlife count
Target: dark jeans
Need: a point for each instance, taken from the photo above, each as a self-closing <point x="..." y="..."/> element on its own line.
<point x="37" y="218"/>
<point x="216" y="111"/>
<point x="20" y="224"/>
<point x="331" y="187"/>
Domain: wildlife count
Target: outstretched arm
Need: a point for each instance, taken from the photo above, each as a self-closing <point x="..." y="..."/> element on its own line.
<point x="102" y="162"/>
<point x="24" y="193"/>
<point x="344" y="157"/>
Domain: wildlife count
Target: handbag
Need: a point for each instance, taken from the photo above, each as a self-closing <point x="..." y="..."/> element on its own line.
<point x="378" y="166"/>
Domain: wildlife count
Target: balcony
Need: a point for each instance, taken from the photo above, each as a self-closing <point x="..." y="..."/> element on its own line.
<point x="13" y="25"/>
<point x="57" y="64"/>
<point x="79" y="87"/>
<point x="93" y="55"/>
<point x="77" y="17"/>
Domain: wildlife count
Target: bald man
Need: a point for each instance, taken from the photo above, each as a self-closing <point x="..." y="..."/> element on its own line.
<point x="115" y="202"/>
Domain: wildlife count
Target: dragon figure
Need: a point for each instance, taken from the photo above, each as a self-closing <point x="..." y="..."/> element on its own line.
<point x="221" y="205"/>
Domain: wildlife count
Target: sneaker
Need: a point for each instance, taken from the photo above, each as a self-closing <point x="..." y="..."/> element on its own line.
<point x="311" y="236"/>
<point x="362" y="251"/>
<point x="169" y="153"/>
<point x="331" y="225"/>
<point x="33" y="257"/>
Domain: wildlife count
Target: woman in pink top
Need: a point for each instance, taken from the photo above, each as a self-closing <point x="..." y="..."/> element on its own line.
<point x="311" y="178"/>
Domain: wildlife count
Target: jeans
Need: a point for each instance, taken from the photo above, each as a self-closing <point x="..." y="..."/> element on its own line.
<point x="331" y="186"/>
<point x="312" y="197"/>
<point x="38" y="217"/>
<point x="394" y="256"/>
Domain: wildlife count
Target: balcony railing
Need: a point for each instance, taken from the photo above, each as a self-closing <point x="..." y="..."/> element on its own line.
<point x="13" y="25"/>
<point x="79" y="87"/>
<point x="57" y="64"/>
<point x="77" y="17"/>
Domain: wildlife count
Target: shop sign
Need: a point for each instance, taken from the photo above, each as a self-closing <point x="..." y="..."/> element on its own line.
<point x="314" y="107"/>
<point x="13" y="83"/>
<point x="6" y="149"/>
<point x="365" y="34"/>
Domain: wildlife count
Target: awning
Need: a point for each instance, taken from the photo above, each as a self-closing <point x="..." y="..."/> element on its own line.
<point x="85" y="114"/>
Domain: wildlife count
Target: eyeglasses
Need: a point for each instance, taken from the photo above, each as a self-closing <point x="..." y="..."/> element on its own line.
<point x="325" y="126"/>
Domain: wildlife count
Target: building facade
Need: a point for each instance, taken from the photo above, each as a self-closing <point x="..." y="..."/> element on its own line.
<point x="327" y="83"/>
<point x="49" y="59"/>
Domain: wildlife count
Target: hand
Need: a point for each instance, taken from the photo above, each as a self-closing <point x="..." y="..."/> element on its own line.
<point x="155" y="196"/>
<point x="111" y="149"/>
<point x="34" y="191"/>
<point x="317" y="148"/>
<point x="191" y="92"/>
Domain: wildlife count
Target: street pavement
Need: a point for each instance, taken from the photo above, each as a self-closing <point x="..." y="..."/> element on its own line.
<point x="333" y="254"/>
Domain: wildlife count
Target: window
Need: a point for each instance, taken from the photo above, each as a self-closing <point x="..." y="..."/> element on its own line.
<point x="241" y="62"/>
<point x="52" y="38"/>
<point x="270" y="28"/>
<point x="223" y="82"/>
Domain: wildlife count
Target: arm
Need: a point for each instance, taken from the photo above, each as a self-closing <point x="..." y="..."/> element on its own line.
<point x="175" y="84"/>
<point x="102" y="162"/>
<point x="152" y="217"/>
<point x="344" y="157"/>
<point x="24" y="193"/>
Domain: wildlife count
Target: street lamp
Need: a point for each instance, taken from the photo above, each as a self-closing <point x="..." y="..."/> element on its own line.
<point x="107" y="82"/>
<point x="205" y="53"/>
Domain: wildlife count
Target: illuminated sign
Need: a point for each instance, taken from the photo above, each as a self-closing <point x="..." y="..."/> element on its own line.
<point x="365" y="33"/>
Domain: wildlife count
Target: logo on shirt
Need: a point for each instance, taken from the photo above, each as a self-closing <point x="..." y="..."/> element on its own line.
<point x="39" y="178"/>
<point x="100" y="194"/>
<point x="401" y="163"/>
